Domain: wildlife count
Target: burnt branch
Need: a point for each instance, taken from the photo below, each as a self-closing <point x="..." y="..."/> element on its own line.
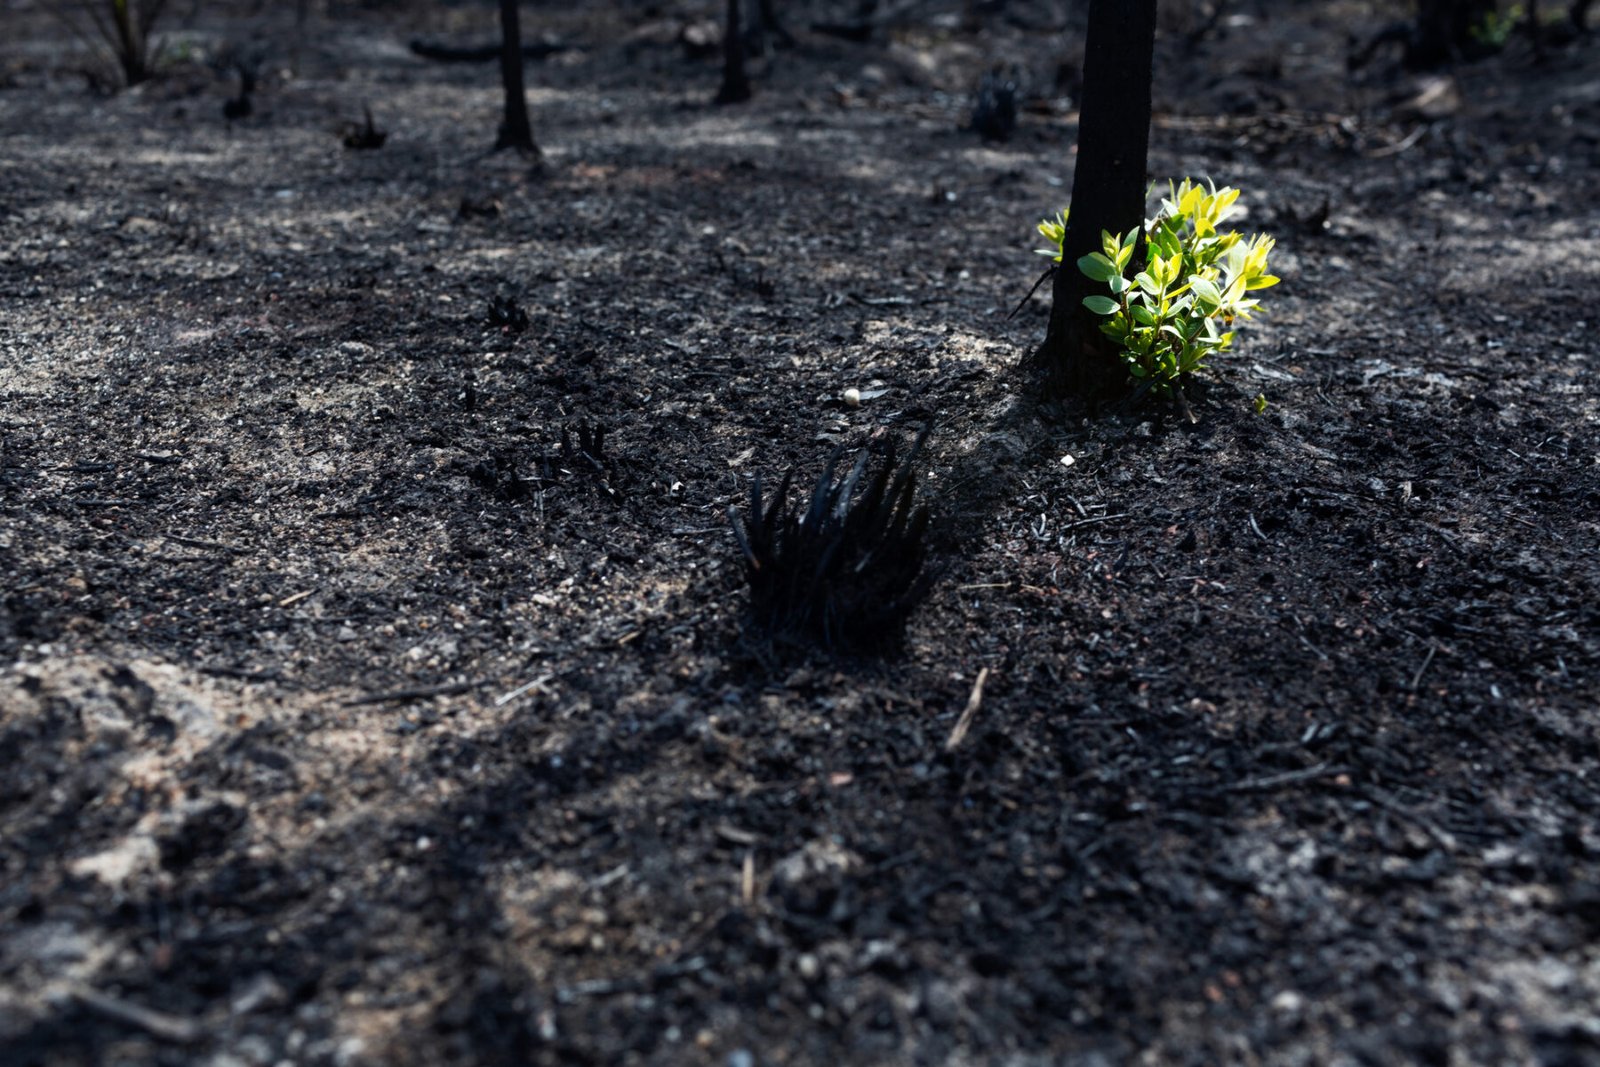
<point x="484" y="53"/>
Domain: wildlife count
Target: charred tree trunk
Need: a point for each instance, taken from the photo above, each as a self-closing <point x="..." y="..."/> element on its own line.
<point x="1443" y="31"/>
<point x="1535" y="28"/>
<point x="131" y="44"/>
<point x="129" y="34"/>
<point x="770" y="29"/>
<point x="515" y="129"/>
<point x="735" y="85"/>
<point x="1108" y="189"/>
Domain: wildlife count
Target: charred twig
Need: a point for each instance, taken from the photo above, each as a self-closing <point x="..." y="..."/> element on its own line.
<point x="195" y="542"/>
<point x="444" y="53"/>
<point x="421" y="692"/>
<point x="1268" y="783"/>
<point x="1441" y="837"/>
<point x="241" y="674"/>
<point x="538" y="683"/>
<point x="963" y="724"/>
<point x="157" y="1024"/>
<point x="1416" y="679"/>
<point x="1049" y="273"/>
<point x="1183" y="404"/>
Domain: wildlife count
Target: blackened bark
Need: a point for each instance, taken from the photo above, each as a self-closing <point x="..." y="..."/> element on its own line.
<point x="769" y="28"/>
<point x="515" y="129"/>
<point x="735" y="85"/>
<point x="131" y="21"/>
<point x="1108" y="189"/>
<point x="447" y="53"/>
<point x="130" y="43"/>
<point x="1444" y="32"/>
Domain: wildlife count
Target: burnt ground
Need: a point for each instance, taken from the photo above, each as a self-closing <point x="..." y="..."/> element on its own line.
<point x="344" y="720"/>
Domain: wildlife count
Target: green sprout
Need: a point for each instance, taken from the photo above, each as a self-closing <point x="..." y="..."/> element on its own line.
<point x="1495" y="29"/>
<point x="1196" y="281"/>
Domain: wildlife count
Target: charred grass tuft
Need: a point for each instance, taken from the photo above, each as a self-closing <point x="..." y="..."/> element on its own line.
<point x="846" y="570"/>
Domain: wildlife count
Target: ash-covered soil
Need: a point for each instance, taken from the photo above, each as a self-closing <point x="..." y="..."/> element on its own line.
<point x="346" y="717"/>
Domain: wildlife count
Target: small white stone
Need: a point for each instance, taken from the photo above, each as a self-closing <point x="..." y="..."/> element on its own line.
<point x="852" y="397"/>
<point x="1067" y="460"/>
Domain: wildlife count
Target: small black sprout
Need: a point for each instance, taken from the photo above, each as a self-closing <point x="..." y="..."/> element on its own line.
<point x="994" y="115"/>
<point x="589" y="453"/>
<point x="364" y="138"/>
<point x="847" y="570"/>
<point x="581" y="460"/>
<point x="248" y="65"/>
<point x="497" y="474"/>
<point x="506" y="314"/>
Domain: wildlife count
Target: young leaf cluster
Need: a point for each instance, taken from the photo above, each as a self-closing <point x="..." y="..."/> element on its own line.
<point x="1171" y="316"/>
<point x="1493" y="31"/>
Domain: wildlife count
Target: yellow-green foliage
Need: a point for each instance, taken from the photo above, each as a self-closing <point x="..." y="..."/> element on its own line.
<point x="1169" y="317"/>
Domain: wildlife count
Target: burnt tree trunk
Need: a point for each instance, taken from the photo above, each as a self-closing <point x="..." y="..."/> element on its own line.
<point x="515" y="129"/>
<point x="131" y="43"/>
<point x="1108" y="190"/>
<point x="735" y="85"/>
<point x="129" y="34"/>
<point x="1443" y="32"/>
<point x="771" y="29"/>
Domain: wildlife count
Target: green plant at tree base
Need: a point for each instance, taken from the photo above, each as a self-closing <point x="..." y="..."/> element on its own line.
<point x="1174" y="314"/>
<point x="1495" y="30"/>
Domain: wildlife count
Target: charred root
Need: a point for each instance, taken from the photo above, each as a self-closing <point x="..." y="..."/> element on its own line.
<point x="848" y="570"/>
